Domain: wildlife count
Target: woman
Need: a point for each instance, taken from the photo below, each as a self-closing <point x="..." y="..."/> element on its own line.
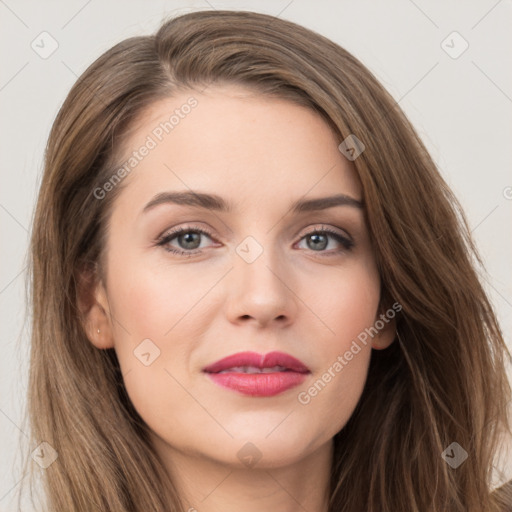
<point x="252" y="289"/>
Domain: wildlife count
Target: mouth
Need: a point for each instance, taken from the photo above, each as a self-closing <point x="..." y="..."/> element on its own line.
<point x="254" y="374"/>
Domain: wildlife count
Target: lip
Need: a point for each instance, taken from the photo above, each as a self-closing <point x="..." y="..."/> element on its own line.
<point x="258" y="384"/>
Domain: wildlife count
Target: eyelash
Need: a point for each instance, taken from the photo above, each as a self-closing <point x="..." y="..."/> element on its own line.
<point x="165" y="239"/>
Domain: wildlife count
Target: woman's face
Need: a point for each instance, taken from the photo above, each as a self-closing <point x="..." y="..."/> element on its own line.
<point x="264" y="278"/>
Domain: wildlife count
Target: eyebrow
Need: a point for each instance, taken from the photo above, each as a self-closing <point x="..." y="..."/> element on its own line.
<point x="217" y="203"/>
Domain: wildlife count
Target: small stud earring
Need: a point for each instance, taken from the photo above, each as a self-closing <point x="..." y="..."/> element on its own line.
<point x="98" y="331"/>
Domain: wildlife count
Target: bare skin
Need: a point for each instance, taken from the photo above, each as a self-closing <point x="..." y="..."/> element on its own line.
<point x="309" y="297"/>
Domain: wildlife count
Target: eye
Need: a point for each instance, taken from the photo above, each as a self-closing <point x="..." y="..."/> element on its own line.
<point x="189" y="238"/>
<point x="319" y="241"/>
<point x="189" y="241"/>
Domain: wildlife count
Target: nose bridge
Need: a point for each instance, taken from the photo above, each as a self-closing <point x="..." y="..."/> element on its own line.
<point x="260" y="279"/>
<point x="258" y="259"/>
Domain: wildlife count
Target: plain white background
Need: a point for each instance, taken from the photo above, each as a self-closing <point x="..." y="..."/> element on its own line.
<point x="460" y="103"/>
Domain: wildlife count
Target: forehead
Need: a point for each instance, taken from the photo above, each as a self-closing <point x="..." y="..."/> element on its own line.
<point x="234" y="142"/>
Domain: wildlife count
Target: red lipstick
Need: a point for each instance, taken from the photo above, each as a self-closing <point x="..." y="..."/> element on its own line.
<point x="256" y="374"/>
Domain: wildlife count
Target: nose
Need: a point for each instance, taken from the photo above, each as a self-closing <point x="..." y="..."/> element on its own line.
<point x="261" y="291"/>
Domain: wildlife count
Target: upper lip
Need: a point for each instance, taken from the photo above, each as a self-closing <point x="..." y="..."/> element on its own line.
<point x="259" y="361"/>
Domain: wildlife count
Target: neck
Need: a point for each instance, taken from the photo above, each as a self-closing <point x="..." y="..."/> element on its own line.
<point x="207" y="485"/>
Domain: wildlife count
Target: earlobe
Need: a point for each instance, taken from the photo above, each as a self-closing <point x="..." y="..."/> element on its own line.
<point x="98" y="327"/>
<point x="94" y="311"/>
<point x="386" y="335"/>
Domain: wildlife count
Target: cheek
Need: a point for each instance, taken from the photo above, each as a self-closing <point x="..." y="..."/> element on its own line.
<point x="348" y="307"/>
<point x="158" y="318"/>
<point x="153" y="318"/>
<point x="346" y="299"/>
<point x="151" y="303"/>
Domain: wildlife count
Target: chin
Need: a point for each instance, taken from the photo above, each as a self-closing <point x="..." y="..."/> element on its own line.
<point x="261" y="450"/>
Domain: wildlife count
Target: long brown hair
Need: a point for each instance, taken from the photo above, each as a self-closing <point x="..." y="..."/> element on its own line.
<point x="442" y="381"/>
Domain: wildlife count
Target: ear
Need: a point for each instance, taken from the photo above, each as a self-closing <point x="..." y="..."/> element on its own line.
<point x="386" y="325"/>
<point x="94" y="309"/>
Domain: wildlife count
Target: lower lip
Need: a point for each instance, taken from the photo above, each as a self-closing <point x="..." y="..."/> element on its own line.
<point x="258" y="384"/>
